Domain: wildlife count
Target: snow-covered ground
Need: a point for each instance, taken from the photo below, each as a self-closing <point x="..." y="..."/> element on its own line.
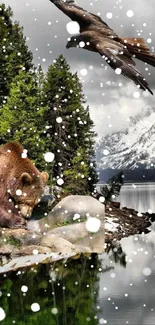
<point x="111" y="224"/>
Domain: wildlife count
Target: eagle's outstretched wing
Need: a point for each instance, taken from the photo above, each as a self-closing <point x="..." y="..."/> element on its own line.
<point x="101" y="39"/>
<point x="85" y="19"/>
<point x="124" y="65"/>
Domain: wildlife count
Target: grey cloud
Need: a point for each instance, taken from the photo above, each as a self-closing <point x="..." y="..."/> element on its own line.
<point x="117" y="102"/>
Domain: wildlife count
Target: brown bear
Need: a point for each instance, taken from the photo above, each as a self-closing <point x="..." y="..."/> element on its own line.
<point x="21" y="185"/>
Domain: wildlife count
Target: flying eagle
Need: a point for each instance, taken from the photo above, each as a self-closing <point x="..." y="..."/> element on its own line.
<point x="95" y="35"/>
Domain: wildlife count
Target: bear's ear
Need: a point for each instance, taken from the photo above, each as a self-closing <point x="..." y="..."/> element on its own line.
<point x="45" y="177"/>
<point x="26" y="179"/>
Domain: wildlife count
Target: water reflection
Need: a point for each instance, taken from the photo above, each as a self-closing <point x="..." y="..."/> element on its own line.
<point x="116" y="254"/>
<point x="116" y="288"/>
<point x="140" y="196"/>
<point x="72" y="289"/>
<point x="130" y="295"/>
<point x="90" y="291"/>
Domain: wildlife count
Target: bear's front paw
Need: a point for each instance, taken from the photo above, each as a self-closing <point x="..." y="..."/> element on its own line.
<point x="18" y="222"/>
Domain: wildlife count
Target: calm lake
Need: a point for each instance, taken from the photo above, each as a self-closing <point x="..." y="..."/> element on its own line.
<point x="115" y="288"/>
<point x="140" y="196"/>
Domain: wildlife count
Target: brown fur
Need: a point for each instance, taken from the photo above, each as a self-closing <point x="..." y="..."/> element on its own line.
<point x="138" y="47"/>
<point x="17" y="173"/>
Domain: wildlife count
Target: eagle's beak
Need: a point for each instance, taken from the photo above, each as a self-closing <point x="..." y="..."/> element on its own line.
<point x="68" y="45"/>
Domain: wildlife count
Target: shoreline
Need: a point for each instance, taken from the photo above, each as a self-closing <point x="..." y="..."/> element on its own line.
<point x="129" y="221"/>
<point x="119" y="223"/>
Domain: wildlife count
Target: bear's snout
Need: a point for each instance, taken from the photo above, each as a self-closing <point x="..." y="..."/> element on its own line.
<point x="25" y="210"/>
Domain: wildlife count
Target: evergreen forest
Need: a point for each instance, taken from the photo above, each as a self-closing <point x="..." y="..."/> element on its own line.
<point x="45" y="111"/>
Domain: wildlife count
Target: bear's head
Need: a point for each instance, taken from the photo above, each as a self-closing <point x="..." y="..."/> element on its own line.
<point x="27" y="190"/>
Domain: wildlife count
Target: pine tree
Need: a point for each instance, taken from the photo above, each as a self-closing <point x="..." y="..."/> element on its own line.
<point x="113" y="187"/>
<point x="76" y="177"/>
<point x="58" y="92"/>
<point x="21" y="118"/>
<point x="70" y="126"/>
<point x="14" y="53"/>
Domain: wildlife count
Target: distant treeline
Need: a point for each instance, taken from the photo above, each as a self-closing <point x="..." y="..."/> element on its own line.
<point x="130" y="175"/>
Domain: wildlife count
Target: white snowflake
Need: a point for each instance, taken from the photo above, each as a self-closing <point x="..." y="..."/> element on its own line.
<point x="2" y="314"/>
<point x="109" y="15"/>
<point x="93" y="224"/>
<point x="24" y="288"/>
<point x="35" y="307"/>
<point x="130" y="13"/>
<point x="73" y="27"/>
<point x="49" y="156"/>
<point x="83" y="72"/>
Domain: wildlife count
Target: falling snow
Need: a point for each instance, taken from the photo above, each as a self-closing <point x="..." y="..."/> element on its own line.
<point x="130" y="13"/>
<point x="118" y="71"/>
<point x="147" y="271"/>
<point x="76" y="216"/>
<point x="60" y="181"/>
<point x="73" y="27"/>
<point x="106" y="152"/>
<point x="35" y="307"/>
<point x="24" y="288"/>
<point x="83" y="72"/>
<point x="2" y="314"/>
<point x="93" y="224"/>
<point x="112" y="101"/>
<point x="54" y="311"/>
<point x="24" y="153"/>
<point x="82" y="44"/>
<point x="59" y="119"/>
<point x="102" y="199"/>
<point x="18" y="192"/>
<point x="109" y="15"/>
<point x="49" y="156"/>
<point x="136" y="94"/>
<point x="35" y="252"/>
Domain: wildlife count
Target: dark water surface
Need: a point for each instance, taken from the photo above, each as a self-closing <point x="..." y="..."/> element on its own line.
<point x="116" y="288"/>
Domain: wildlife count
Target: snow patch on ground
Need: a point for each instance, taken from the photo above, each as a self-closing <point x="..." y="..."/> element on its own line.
<point x="111" y="224"/>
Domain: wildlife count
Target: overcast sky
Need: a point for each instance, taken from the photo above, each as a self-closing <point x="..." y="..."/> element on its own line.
<point x="110" y="103"/>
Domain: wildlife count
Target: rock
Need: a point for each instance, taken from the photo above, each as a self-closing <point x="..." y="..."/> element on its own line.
<point x="65" y="227"/>
<point x="6" y="250"/>
<point x="64" y="230"/>
<point x="71" y="209"/>
<point x="78" y="235"/>
<point x="10" y="250"/>
<point x="58" y="244"/>
<point x="31" y="250"/>
<point x="30" y="260"/>
<point x="19" y="237"/>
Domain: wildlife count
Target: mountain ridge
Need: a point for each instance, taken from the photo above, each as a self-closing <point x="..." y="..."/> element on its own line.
<point x="133" y="148"/>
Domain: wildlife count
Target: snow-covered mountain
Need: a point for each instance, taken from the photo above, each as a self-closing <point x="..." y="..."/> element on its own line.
<point x="130" y="149"/>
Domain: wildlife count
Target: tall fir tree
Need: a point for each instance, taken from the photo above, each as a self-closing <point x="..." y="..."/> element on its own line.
<point x="14" y="53"/>
<point x="21" y="118"/>
<point x="70" y="126"/>
<point x="76" y="177"/>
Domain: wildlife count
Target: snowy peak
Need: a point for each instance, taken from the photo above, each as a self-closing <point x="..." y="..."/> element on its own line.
<point x="146" y="112"/>
<point x="130" y="149"/>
